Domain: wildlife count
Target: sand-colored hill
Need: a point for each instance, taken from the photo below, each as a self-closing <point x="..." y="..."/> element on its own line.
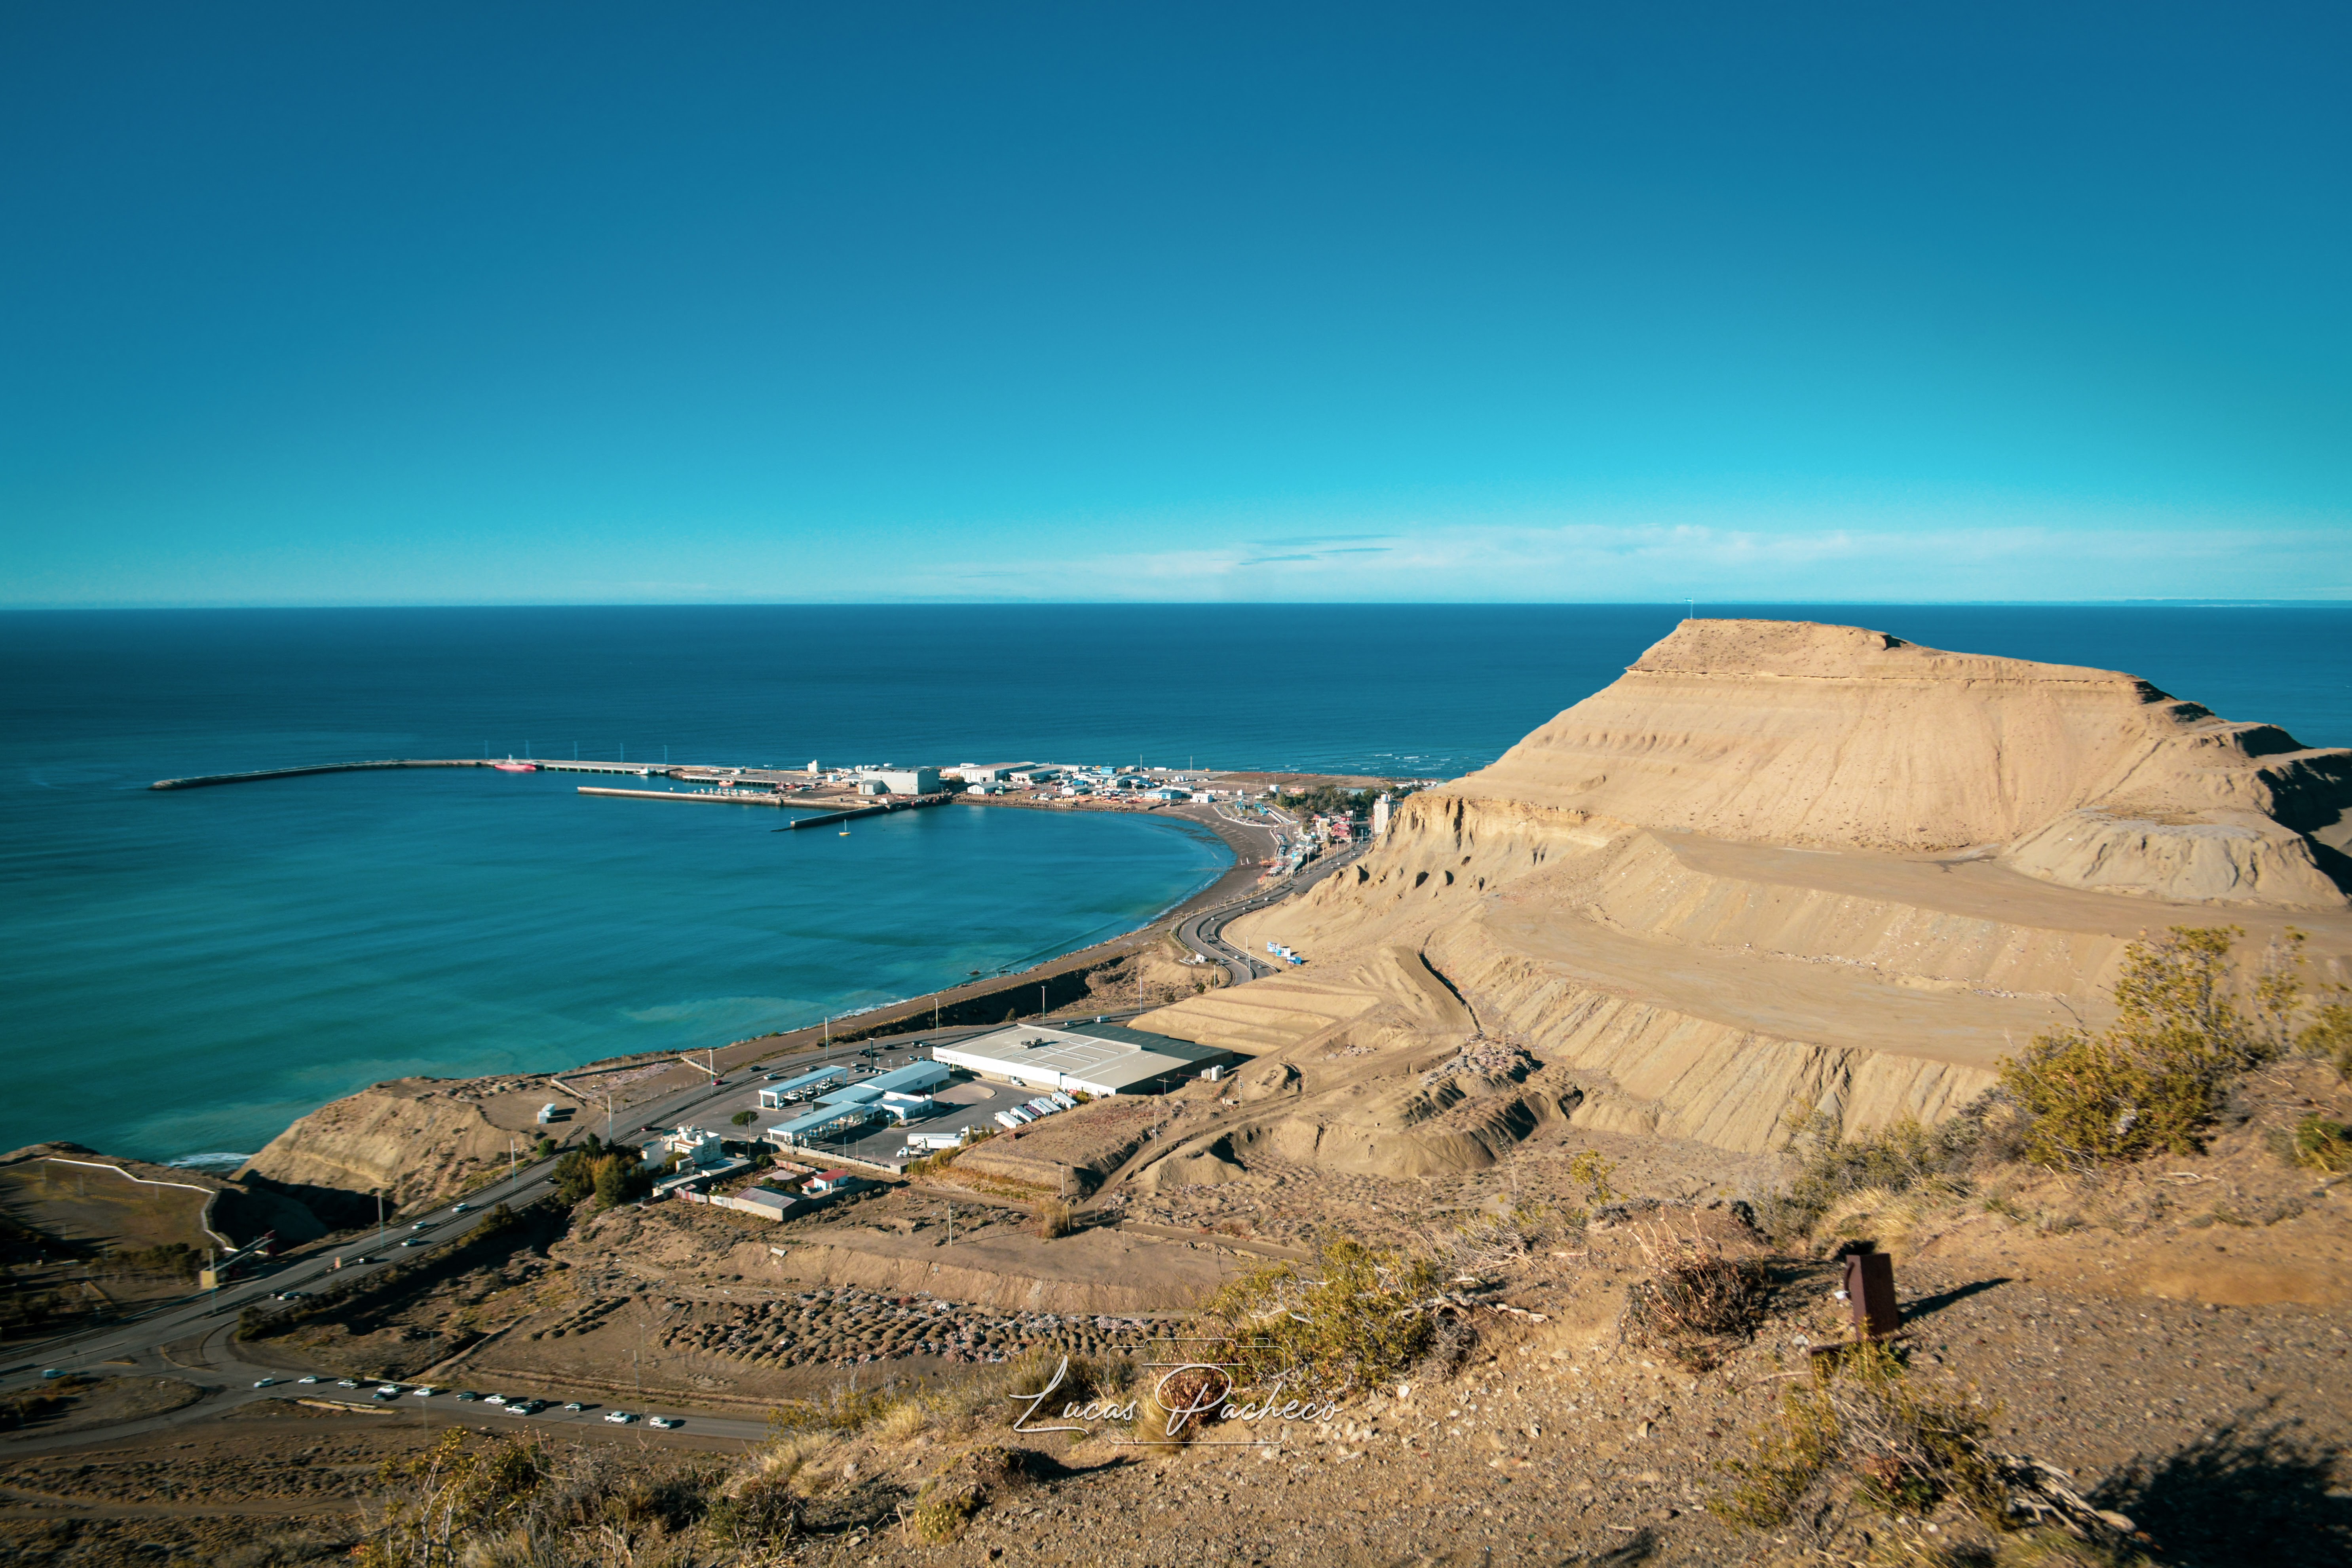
<point x="414" y="1139"/>
<point x="1780" y="867"/>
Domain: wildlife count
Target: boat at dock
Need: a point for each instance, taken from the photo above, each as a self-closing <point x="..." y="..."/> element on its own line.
<point x="511" y="767"/>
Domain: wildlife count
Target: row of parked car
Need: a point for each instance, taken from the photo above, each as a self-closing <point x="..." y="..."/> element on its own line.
<point x="1044" y="1105"/>
<point x="513" y="1405"/>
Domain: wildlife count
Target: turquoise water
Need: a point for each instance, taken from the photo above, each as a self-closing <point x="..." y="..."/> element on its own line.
<point x="186" y="973"/>
<point x="241" y="954"/>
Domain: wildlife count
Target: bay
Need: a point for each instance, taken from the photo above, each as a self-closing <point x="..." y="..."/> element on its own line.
<point x="186" y="973"/>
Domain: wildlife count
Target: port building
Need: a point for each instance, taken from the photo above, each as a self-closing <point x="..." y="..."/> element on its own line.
<point x="900" y="781"/>
<point x="1082" y="1059"/>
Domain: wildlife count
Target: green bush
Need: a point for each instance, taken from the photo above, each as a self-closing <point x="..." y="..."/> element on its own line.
<point x="2155" y="1081"/>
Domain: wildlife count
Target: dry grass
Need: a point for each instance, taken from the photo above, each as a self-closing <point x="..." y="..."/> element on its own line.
<point x="1053" y="1219"/>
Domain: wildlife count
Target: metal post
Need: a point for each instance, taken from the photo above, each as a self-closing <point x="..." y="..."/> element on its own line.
<point x="379" y="1216"/>
<point x="1870" y="1292"/>
<point x="511" y="1160"/>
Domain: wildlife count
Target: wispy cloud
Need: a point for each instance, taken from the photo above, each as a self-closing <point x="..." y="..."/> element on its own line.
<point x="1893" y="556"/>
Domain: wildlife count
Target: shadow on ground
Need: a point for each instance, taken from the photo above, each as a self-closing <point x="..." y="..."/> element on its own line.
<point x="2249" y="1492"/>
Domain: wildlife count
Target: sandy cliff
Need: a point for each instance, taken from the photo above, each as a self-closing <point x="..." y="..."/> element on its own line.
<point x="1780" y="867"/>
<point x="415" y="1140"/>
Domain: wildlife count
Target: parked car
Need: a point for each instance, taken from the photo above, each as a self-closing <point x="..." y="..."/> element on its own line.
<point x="265" y="1383"/>
<point x="467" y="1396"/>
<point x="495" y="1399"/>
<point x="573" y="1405"/>
<point x="427" y="1392"/>
<point x="347" y="1382"/>
<point x="308" y="1377"/>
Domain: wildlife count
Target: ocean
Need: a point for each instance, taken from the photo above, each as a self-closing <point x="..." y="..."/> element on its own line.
<point x="186" y="973"/>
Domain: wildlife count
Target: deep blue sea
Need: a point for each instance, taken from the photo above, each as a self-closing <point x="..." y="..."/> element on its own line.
<point x="186" y="973"/>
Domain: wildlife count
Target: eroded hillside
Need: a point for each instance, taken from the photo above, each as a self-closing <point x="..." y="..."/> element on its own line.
<point x="1782" y="867"/>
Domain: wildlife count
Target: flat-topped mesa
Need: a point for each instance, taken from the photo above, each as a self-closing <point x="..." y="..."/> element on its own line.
<point x="1799" y="733"/>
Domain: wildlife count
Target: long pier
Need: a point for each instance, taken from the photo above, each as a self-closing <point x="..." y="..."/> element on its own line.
<point x="912" y="802"/>
<point x="711" y="797"/>
<point x="201" y="781"/>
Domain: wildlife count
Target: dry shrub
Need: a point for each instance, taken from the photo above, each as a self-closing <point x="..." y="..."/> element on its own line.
<point x="1697" y="1302"/>
<point x="1358" y="1316"/>
<point x="1053" y="1219"/>
<point x="979" y="1476"/>
<point x="1902" y="1157"/>
<point x="1873" y="1214"/>
<point x="844" y="1410"/>
<point x="2323" y="1145"/>
<point x="1165" y="1412"/>
<point x="1862" y="1432"/>
<point x="939" y="1516"/>
<point x="902" y="1422"/>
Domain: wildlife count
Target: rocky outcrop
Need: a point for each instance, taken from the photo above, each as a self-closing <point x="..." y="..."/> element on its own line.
<point x="413" y="1139"/>
<point x="1782" y="867"/>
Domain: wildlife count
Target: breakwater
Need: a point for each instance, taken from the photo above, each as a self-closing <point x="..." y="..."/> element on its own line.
<point x="256" y="775"/>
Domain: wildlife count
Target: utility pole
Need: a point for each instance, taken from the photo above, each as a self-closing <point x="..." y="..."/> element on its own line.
<point x="511" y="1159"/>
<point x="379" y="1216"/>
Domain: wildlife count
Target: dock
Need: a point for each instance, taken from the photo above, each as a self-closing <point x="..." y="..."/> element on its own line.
<point x="911" y="803"/>
<point x="712" y="796"/>
<point x="769" y="797"/>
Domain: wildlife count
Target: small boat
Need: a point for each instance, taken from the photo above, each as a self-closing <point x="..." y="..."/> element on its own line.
<point x="845" y="833"/>
<point x="511" y="767"/>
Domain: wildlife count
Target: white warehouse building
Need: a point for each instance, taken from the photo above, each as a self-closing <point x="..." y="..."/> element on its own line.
<point x="901" y="781"/>
<point x="1088" y="1058"/>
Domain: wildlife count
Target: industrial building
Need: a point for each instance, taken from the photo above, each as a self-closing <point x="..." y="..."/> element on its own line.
<point x="893" y="1096"/>
<point x="994" y="773"/>
<point x="1082" y="1059"/>
<point x="777" y="1096"/>
<point x="898" y="781"/>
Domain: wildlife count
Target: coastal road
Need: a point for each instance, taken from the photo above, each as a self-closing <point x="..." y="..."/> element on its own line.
<point x="1205" y="931"/>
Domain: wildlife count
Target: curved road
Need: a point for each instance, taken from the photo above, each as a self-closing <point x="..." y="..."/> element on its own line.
<point x="1205" y="931"/>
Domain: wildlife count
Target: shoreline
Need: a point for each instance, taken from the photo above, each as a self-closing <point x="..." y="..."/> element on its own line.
<point x="973" y="1002"/>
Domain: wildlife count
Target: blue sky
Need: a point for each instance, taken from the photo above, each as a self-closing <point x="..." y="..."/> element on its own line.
<point x="458" y="303"/>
